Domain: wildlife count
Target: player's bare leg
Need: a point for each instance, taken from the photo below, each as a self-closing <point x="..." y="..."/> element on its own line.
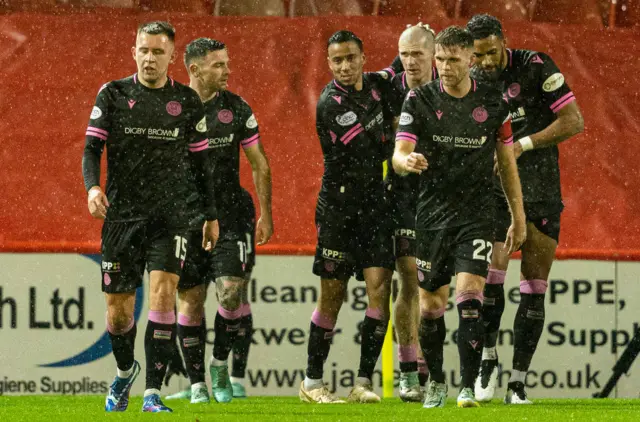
<point x="406" y="326"/>
<point x="192" y="338"/>
<point x="538" y="253"/>
<point x="469" y="289"/>
<point x="121" y="327"/>
<point x="432" y="335"/>
<point x="241" y="346"/>
<point x="323" y="321"/>
<point x="492" y="310"/>
<point x="159" y="335"/>
<point x="226" y="327"/>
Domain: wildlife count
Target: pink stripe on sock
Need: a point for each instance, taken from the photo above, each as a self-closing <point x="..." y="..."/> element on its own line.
<point x="408" y="353"/>
<point x="229" y="314"/>
<point x="246" y="309"/>
<point x="322" y="320"/>
<point x="162" y="317"/>
<point x="119" y="332"/>
<point x="433" y="314"/>
<point x="374" y="313"/>
<point x="187" y="321"/>
<point x="533" y="287"/>
<point x="469" y="295"/>
<point x="496" y="276"/>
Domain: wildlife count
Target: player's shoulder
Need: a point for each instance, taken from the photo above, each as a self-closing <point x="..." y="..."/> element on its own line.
<point x="487" y="88"/>
<point x="527" y="58"/>
<point x="235" y="101"/>
<point x="117" y="85"/>
<point x="186" y="92"/>
<point x="399" y="81"/>
<point x="332" y="97"/>
<point x="430" y="89"/>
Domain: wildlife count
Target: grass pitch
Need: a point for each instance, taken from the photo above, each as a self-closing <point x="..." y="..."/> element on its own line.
<point x="283" y="409"/>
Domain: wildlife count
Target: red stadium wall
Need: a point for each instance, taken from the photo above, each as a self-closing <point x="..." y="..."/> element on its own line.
<point x="52" y="66"/>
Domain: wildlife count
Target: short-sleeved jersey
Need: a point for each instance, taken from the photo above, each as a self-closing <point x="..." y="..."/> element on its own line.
<point x="231" y="124"/>
<point x="350" y="125"/>
<point x="151" y="136"/>
<point x="458" y="137"/>
<point x="535" y="91"/>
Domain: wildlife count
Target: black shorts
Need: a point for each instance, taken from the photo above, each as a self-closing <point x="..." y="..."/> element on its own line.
<point x="351" y="238"/>
<point x="444" y="253"/>
<point x="233" y="256"/>
<point x="545" y="217"/>
<point x="404" y="229"/>
<point x="128" y="247"/>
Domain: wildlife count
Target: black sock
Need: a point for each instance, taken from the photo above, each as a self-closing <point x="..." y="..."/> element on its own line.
<point x="423" y="372"/>
<point x="241" y="346"/>
<point x="432" y="334"/>
<point x="192" y="345"/>
<point x="226" y="329"/>
<point x="470" y="333"/>
<point x="373" y="332"/>
<point x="123" y="345"/>
<point x="527" y="329"/>
<point x="158" y="340"/>
<point x="492" y="310"/>
<point x="320" y="338"/>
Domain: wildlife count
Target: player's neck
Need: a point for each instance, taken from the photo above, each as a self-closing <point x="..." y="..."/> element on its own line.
<point x="460" y="90"/>
<point x="359" y="84"/>
<point x="417" y="83"/>
<point x="204" y="93"/>
<point x="159" y="83"/>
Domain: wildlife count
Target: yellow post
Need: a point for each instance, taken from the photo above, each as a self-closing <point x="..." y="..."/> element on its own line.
<point x="387" y="348"/>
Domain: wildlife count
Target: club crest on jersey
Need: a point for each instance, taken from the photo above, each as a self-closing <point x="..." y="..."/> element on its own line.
<point x="225" y="116"/>
<point x="375" y="94"/>
<point x="174" y="108"/>
<point x="513" y="90"/>
<point x="347" y="118"/>
<point x="480" y="114"/>
<point x="553" y="82"/>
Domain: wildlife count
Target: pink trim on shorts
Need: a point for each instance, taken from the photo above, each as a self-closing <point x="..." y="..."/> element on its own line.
<point x="235" y="314"/>
<point x="187" y="321"/>
<point x="162" y="317"/>
<point x="408" y="353"/>
<point x="533" y="287"/>
<point x="322" y="321"/>
<point x="469" y="295"/>
<point x="496" y="276"/>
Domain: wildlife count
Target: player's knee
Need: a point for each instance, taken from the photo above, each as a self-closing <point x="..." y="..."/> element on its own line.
<point x="229" y="292"/>
<point x="432" y="305"/>
<point x="536" y="287"/>
<point x="119" y="323"/>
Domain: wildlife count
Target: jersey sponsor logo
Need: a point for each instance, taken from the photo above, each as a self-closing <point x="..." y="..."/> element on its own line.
<point x="96" y="113"/>
<point x="335" y="255"/>
<point x="517" y="115"/>
<point x="225" y="116"/>
<point x="405" y="233"/>
<point x="347" y="118"/>
<point x="252" y="123"/>
<point x="480" y="114"/>
<point x="202" y="125"/>
<point x="221" y="141"/>
<point x="375" y="94"/>
<point x="514" y="90"/>
<point x="553" y="82"/>
<point x="379" y="119"/>
<point x="174" y="108"/>
<point x="406" y="118"/>
<point x="423" y="265"/>
<point x="153" y="133"/>
<point x="460" y="141"/>
<point x="110" y="267"/>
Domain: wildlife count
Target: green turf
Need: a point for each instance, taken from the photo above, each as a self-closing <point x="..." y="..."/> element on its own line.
<point x="282" y="409"/>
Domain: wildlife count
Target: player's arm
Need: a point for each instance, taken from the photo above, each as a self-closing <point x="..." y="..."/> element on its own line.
<point x="510" y="179"/>
<point x="392" y="70"/>
<point x="404" y="159"/>
<point x="261" y="178"/>
<point x="199" y="156"/>
<point x="557" y="95"/>
<point x="95" y="139"/>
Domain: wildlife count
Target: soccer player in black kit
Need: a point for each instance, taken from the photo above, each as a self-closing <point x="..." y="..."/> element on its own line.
<point x="544" y="113"/>
<point x="231" y="125"/>
<point x="354" y="233"/>
<point x="154" y="129"/>
<point x="449" y="131"/>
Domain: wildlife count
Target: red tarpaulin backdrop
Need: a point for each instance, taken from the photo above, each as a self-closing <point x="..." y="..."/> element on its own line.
<point x="51" y="68"/>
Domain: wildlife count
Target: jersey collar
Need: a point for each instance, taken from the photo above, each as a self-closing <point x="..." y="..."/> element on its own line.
<point x="169" y="80"/>
<point x="350" y="89"/>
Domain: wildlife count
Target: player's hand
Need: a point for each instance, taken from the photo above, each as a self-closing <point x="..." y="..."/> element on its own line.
<point x="264" y="229"/>
<point x="415" y="163"/>
<point x="97" y="202"/>
<point x="175" y="365"/>
<point x="516" y="236"/>
<point x="210" y="235"/>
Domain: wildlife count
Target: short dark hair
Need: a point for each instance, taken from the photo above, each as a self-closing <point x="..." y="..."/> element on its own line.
<point x="158" y="27"/>
<point x="483" y="26"/>
<point x="199" y="48"/>
<point x="345" y="36"/>
<point x="454" y="36"/>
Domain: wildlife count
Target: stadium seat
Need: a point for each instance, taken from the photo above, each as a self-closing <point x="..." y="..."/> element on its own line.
<point x="198" y="7"/>
<point x="324" y="7"/>
<point x="249" y="8"/>
<point x="421" y="9"/>
<point x="505" y="10"/>
<point x="585" y="12"/>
